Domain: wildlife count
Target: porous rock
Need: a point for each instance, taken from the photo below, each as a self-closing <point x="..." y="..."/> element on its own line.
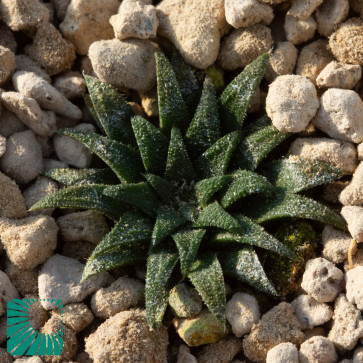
<point x="341" y="154"/>
<point x="87" y="21"/>
<point x="2" y="145"/>
<point x="184" y="355"/>
<point x="119" y="296"/>
<point x="358" y="355"/>
<point x="303" y="8"/>
<point x="283" y="353"/>
<point x="10" y="123"/>
<point x="7" y="291"/>
<point x="60" y="278"/>
<point x="31" y="359"/>
<point x="5" y="357"/>
<point x="354" y="286"/>
<point x="185" y="301"/>
<point x="71" y="84"/>
<point x="29" y="241"/>
<point x="127" y="337"/>
<point x="7" y="64"/>
<point x="278" y="325"/>
<point x="194" y="27"/>
<point x="299" y="30"/>
<point x="336" y="244"/>
<point x="352" y="194"/>
<point x="125" y="64"/>
<point x="354" y="217"/>
<point x="7" y="38"/>
<point x="291" y="103"/>
<point x="317" y="349"/>
<point x="360" y="151"/>
<point x="25" y="63"/>
<point x="25" y="281"/>
<point x="60" y="7"/>
<point x="242" y="46"/>
<point x="22" y="160"/>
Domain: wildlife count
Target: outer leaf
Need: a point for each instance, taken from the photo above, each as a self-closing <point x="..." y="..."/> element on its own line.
<point x="237" y="96"/>
<point x="243" y="264"/>
<point x="254" y="235"/>
<point x="188" y="242"/>
<point x="178" y="166"/>
<point x="86" y="197"/>
<point x="160" y="265"/>
<point x="139" y="195"/>
<point x="296" y="174"/>
<point x="167" y="222"/>
<point x="172" y="109"/>
<point x="113" y="111"/>
<point x="206" y="188"/>
<point x="253" y="149"/>
<point x="216" y="159"/>
<point x="153" y="145"/>
<point x="207" y="276"/>
<point x="89" y="104"/>
<point x="204" y="130"/>
<point x="285" y="205"/>
<point x="215" y="216"/>
<point x="245" y="183"/>
<point x="122" y="159"/>
<point x="82" y="176"/>
<point x="165" y="190"/>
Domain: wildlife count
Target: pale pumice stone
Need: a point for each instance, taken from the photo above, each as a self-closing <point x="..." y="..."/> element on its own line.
<point x="352" y="194"/>
<point x="299" y="30"/>
<point x="7" y="64"/>
<point x="283" y="353"/>
<point x="317" y="349"/>
<point x="354" y="286"/>
<point x="303" y="8"/>
<point x="336" y="244"/>
<point x="354" y="217"/>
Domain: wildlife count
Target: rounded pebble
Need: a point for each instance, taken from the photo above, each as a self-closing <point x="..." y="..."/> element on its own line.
<point x="317" y="349"/>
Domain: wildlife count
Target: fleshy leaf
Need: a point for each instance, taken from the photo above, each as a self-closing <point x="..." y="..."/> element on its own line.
<point x="165" y="190"/>
<point x="178" y="166"/>
<point x="167" y="222"/>
<point x="139" y="195"/>
<point x="215" y="160"/>
<point x="153" y="145"/>
<point x="89" y="104"/>
<point x="296" y="174"/>
<point x="82" y="176"/>
<point x="160" y="265"/>
<point x="172" y="109"/>
<point x="237" y="96"/>
<point x="245" y="183"/>
<point x="122" y="159"/>
<point x="207" y="277"/>
<point x="254" y="235"/>
<point x="204" y="130"/>
<point x="284" y="205"/>
<point x="112" y="110"/>
<point x="243" y="264"/>
<point x="215" y="216"/>
<point x="206" y="188"/>
<point x="85" y="197"/>
<point x="188" y="242"/>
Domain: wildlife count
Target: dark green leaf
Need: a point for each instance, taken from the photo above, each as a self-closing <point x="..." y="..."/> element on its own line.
<point x="122" y="159"/>
<point x="172" y="109"/>
<point x="165" y="190"/>
<point x="178" y="166"/>
<point x="71" y="177"/>
<point x="245" y="183"/>
<point x="85" y="197"/>
<point x="139" y="195"/>
<point x="206" y="188"/>
<point x="167" y="222"/>
<point x="216" y="159"/>
<point x="188" y="242"/>
<point x="153" y="145"/>
<point x="112" y="110"/>
<point x="89" y="104"/>
<point x="204" y="130"/>
<point x="296" y="174"/>
<point x="243" y="264"/>
<point x="237" y="96"/>
<point x="207" y="277"/>
<point x="160" y="265"/>
<point x="284" y="205"/>
<point x="215" y="216"/>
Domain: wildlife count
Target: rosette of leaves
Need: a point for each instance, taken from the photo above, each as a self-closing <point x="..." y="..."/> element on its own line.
<point x="184" y="194"/>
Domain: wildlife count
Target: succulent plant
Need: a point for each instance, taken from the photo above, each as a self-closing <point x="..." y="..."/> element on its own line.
<point x="184" y="195"/>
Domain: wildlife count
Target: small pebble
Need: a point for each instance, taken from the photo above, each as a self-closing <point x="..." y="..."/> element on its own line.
<point x="25" y="281"/>
<point x="354" y="286"/>
<point x="7" y="64"/>
<point x="317" y="349"/>
<point x="10" y="123"/>
<point x="7" y="38"/>
<point x="24" y="63"/>
<point x="283" y="353"/>
<point x="7" y="291"/>
<point x="352" y="194"/>
<point x="302" y="9"/>
<point x="299" y="30"/>
<point x="336" y="244"/>
<point x="184" y="355"/>
<point x="360" y="151"/>
<point x="358" y="355"/>
<point x="354" y="217"/>
<point x="71" y="85"/>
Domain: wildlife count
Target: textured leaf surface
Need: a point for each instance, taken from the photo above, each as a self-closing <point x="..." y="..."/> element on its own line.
<point x="237" y="96"/>
<point x="122" y="159"/>
<point x="296" y="174"/>
<point x="160" y="265"/>
<point x="285" y="205"/>
<point x="243" y="264"/>
<point x="215" y="216"/>
<point x="71" y="177"/>
<point x="188" y="242"/>
<point x="215" y="160"/>
<point x="166" y="191"/>
<point x="139" y="195"/>
<point x="204" y="130"/>
<point x="172" y="109"/>
<point x="153" y="145"/>
<point x="178" y="166"/>
<point x="112" y="110"/>
<point x="85" y="197"/>
<point x="89" y="104"/>
<point x="245" y="183"/>
<point x="207" y="277"/>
